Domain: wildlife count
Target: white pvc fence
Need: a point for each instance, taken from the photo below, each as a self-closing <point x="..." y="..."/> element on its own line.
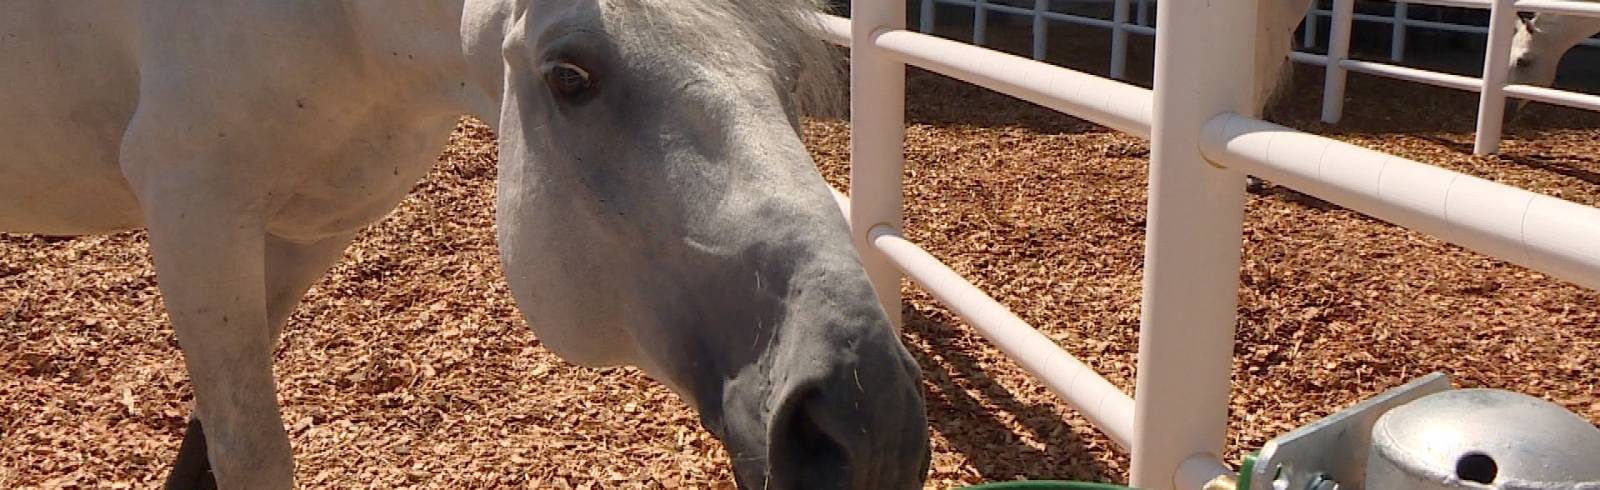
<point x="1042" y="15"/>
<point x="1201" y="148"/>
<point x="1491" y="85"/>
<point x="1399" y="22"/>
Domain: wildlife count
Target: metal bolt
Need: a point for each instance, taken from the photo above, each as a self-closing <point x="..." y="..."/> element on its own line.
<point x="1322" y="482"/>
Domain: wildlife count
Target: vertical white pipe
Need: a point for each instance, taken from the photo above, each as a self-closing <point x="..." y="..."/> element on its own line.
<point x="1397" y="36"/>
<point x="1142" y="15"/>
<point x="980" y="22"/>
<point x="1041" y="29"/>
<point x="877" y="141"/>
<point x="1338" y="51"/>
<point x="925" y="22"/>
<point x="1496" y="58"/>
<point x="1309" y="37"/>
<point x="1119" y="40"/>
<point x="1196" y="212"/>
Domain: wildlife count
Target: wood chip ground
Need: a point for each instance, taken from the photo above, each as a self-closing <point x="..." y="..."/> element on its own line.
<point x="408" y="366"/>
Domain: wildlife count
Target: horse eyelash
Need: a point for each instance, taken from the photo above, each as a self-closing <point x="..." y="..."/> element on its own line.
<point x="588" y="78"/>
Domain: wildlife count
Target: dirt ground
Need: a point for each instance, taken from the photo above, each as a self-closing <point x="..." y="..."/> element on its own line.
<point x="408" y="365"/>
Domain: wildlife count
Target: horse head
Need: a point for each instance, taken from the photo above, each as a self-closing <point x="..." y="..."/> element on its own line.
<point x="656" y="208"/>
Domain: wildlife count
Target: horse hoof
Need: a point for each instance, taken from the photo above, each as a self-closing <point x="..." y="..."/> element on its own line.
<point x="192" y="471"/>
<point x="1254" y="185"/>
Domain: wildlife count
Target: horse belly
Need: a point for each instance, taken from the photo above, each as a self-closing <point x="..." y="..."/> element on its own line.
<point x="68" y="87"/>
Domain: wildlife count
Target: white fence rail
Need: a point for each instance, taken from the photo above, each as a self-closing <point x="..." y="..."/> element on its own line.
<point x="1200" y="148"/>
<point x="1042" y="15"/>
<point x="1400" y="21"/>
<point x="1490" y="85"/>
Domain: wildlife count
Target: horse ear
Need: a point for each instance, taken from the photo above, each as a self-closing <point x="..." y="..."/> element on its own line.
<point x="1526" y="20"/>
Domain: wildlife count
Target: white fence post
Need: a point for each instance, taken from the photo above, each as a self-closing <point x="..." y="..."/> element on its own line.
<point x="1041" y="29"/>
<point x="1496" y="58"/>
<point x="1191" y="265"/>
<point x="877" y="140"/>
<point x="1119" y="39"/>
<point x="980" y="22"/>
<point x="1397" y="36"/>
<point x="1338" y="50"/>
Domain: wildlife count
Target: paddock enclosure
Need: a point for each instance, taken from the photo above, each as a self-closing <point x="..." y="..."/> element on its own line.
<point x="409" y="367"/>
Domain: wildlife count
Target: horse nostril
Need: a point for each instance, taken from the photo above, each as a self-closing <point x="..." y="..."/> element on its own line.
<point x="806" y="451"/>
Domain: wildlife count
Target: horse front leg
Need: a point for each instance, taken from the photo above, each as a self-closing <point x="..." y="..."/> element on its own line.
<point x="209" y="248"/>
<point x="291" y="268"/>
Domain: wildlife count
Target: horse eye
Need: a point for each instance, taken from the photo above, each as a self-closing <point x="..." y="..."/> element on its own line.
<point x="568" y="79"/>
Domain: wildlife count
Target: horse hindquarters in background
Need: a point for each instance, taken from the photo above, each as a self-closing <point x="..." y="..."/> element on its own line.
<point x="1275" y="39"/>
<point x="1275" y="26"/>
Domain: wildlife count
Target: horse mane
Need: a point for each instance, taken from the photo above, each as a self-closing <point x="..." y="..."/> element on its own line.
<point x="786" y="35"/>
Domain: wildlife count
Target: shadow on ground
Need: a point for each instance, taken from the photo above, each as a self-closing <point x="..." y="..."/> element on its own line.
<point x="965" y="406"/>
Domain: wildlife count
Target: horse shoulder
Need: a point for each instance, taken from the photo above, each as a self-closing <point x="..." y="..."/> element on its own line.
<point x="294" y="110"/>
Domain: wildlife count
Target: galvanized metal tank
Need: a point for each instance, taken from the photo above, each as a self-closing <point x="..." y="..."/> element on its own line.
<point x="1481" y="438"/>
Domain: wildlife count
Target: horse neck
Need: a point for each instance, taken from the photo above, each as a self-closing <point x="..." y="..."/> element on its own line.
<point x="440" y="44"/>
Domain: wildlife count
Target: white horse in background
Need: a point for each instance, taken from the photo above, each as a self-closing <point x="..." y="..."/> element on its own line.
<point x="1538" y="46"/>
<point x="1536" y="49"/>
<point x="655" y="206"/>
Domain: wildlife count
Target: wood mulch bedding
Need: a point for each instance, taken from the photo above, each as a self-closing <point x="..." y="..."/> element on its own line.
<point x="409" y="366"/>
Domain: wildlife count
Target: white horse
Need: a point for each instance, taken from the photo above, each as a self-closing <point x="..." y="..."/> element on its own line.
<point x="1538" y="46"/>
<point x="655" y="206"/>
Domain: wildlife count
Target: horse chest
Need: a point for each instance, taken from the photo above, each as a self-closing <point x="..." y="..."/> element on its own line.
<point x="364" y="180"/>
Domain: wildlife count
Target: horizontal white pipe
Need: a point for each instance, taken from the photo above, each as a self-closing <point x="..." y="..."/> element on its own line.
<point x="1139" y="29"/>
<point x="836" y="28"/>
<point x="1308" y="58"/>
<point x="1446" y="80"/>
<point x="1098" y="400"/>
<point x="1057" y="16"/>
<point x="1553" y="96"/>
<point x="1098" y="22"/>
<point x="1408" y="22"/>
<point x="1581" y="9"/>
<point x="1106" y="406"/>
<point x="1543" y="233"/>
<point x="1199" y="470"/>
<point x="1117" y="105"/>
<point x="1466" y="4"/>
<point x="1443" y="26"/>
<point x="1547" y="95"/>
